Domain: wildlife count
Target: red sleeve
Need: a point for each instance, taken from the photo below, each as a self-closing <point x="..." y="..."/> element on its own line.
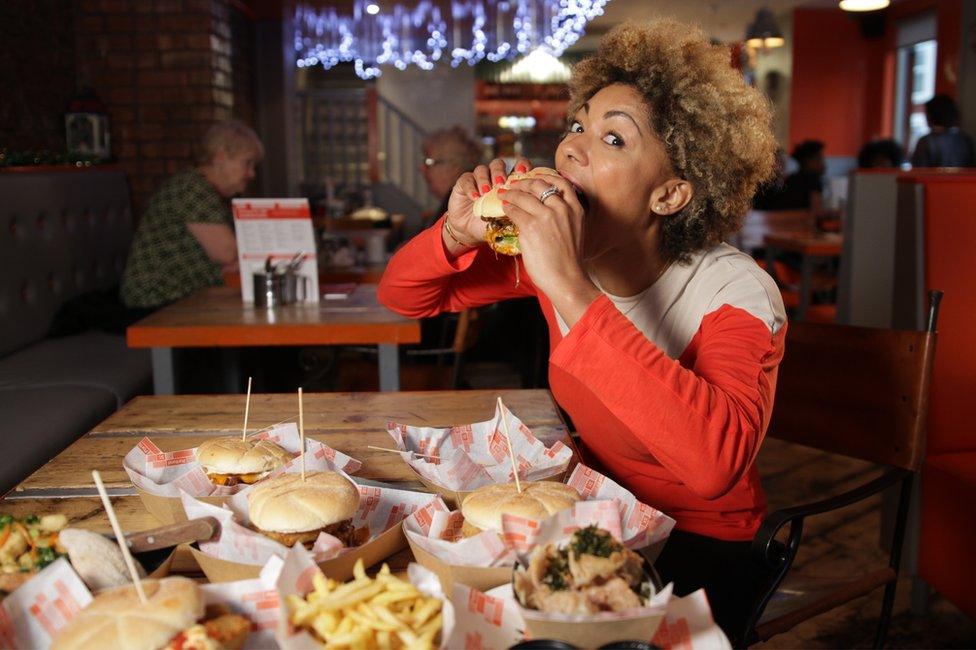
<point x="705" y="423"/>
<point x="421" y="281"/>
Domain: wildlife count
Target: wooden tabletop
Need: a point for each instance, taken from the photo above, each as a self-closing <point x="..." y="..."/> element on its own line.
<point x="217" y="317"/>
<point x="806" y="242"/>
<point x="348" y="422"/>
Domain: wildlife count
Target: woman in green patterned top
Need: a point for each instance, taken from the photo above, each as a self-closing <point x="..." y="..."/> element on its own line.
<point x="185" y="239"/>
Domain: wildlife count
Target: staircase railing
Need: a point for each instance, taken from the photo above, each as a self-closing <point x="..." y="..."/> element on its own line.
<point x="399" y="148"/>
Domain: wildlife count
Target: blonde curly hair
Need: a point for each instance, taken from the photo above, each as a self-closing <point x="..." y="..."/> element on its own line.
<point x="714" y="127"/>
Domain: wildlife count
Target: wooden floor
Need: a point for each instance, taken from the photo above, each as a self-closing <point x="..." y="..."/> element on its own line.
<point x="843" y="544"/>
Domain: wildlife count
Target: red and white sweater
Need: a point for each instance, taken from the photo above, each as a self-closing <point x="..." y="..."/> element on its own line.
<point x="670" y="390"/>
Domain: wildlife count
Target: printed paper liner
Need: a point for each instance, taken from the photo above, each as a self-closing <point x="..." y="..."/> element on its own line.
<point x="239" y="552"/>
<point x="458" y="459"/>
<point x="159" y="476"/>
<point x="296" y="578"/>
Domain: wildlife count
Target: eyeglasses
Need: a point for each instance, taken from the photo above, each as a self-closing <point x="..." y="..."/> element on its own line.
<point x="430" y="162"/>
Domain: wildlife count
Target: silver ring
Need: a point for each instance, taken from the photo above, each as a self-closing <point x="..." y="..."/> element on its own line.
<point x="549" y="191"/>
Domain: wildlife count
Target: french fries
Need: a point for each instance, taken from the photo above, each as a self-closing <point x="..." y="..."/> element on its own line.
<point x="381" y="613"/>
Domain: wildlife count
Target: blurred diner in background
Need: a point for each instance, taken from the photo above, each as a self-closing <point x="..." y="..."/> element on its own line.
<point x="719" y="251"/>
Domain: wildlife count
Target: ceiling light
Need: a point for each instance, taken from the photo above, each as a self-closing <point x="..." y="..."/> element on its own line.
<point x="863" y="5"/>
<point x="764" y="31"/>
<point x="372" y="9"/>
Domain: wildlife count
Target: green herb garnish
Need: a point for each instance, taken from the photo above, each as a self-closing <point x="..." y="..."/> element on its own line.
<point x="594" y="541"/>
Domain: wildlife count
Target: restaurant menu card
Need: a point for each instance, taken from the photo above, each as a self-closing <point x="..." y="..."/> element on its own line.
<point x="437" y="530"/>
<point x="468" y="456"/>
<point x="276" y="228"/>
<point x="379" y="509"/>
<point x="169" y="473"/>
<point x="31" y="615"/>
<point x="296" y="578"/>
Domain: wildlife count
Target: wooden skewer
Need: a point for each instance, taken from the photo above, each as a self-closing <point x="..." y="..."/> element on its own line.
<point x="247" y="407"/>
<point x="400" y="451"/>
<point x="119" y="537"/>
<point x="301" y="430"/>
<point x="508" y="439"/>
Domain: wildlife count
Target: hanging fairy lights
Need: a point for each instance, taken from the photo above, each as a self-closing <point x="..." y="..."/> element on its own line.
<point x="423" y="32"/>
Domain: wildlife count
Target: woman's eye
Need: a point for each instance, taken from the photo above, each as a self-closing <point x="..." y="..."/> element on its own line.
<point x="613" y="139"/>
<point x="575" y="127"/>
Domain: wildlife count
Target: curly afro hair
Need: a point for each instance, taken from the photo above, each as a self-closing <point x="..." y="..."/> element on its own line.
<point x="714" y="127"/>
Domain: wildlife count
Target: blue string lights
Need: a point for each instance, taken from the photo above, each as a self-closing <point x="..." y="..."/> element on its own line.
<point x="423" y="32"/>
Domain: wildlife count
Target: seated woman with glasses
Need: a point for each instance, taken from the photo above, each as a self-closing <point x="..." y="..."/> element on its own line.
<point x="448" y="153"/>
<point x="665" y="340"/>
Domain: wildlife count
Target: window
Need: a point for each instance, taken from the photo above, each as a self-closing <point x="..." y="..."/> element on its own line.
<point x="915" y="78"/>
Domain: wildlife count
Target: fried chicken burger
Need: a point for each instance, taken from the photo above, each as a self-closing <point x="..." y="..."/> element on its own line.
<point x="230" y="460"/>
<point x="290" y="510"/>
<point x="500" y="233"/>
<point x="483" y="508"/>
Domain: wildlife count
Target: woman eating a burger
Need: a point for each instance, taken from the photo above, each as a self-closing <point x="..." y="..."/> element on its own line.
<point x="664" y="340"/>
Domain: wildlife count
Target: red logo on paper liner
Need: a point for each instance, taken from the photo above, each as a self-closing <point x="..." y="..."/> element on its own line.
<point x="462" y="473"/>
<point x="527" y="433"/>
<point x="263" y="600"/>
<point x="397" y="514"/>
<point x="673" y="635"/>
<point x="171" y="458"/>
<point x="498" y="446"/>
<point x="587" y="482"/>
<point x="147" y="447"/>
<point x="461" y="436"/>
<point x="553" y="451"/>
<point x="490" y="608"/>
<point x="428" y="452"/>
<point x="452" y="532"/>
<point x="473" y="641"/>
<point x="369" y="500"/>
<point x="52" y="614"/>
<point x="643" y="516"/>
<point x="523" y="464"/>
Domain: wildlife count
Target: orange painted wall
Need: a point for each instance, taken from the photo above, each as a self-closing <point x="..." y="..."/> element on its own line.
<point x="843" y="83"/>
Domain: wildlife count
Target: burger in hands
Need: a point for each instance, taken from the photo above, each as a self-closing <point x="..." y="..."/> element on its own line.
<point x="483" y="508"/>
<point x="289" y="510"/>
<point x="173" y="617"/>
<point x="230" y="460"/>
<point x="500" y="233"/>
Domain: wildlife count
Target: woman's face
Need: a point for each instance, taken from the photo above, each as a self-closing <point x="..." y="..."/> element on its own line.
<point x="232" y="172"/>
<point x="613" y="157"/>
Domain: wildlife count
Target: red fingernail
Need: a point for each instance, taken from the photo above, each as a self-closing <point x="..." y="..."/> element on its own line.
<point x="499" y="179"/>
<point x="504" y="202"/>
<point x="475" y="195"/>
<point x="520" y="168"/>
<point x="502" y="190"/>
<point x="486" y="187"/>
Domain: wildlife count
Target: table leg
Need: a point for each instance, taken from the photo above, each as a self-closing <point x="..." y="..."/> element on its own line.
<point x="389" y="367"/>
<point x="164" y="380"/>
<point x="806" y="286"/>
<point x="230" y="364"/>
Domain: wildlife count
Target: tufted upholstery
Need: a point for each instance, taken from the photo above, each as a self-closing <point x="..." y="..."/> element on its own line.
<point x="61" y="234"/>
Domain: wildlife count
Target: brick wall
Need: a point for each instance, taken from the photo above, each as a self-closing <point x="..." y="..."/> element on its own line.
<point x="37" y="76"/>
<point x="165" y="70"/>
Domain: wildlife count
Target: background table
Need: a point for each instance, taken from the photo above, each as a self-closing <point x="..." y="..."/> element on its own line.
<point x="216" y="317"/>
<point x="809" y="245"/>
<point x="349" y="422"/>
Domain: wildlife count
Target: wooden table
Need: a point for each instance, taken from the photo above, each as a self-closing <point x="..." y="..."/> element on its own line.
<point x="216" y="317"/>
<point x="345" y="421"/>
<point x="810" y="245"/>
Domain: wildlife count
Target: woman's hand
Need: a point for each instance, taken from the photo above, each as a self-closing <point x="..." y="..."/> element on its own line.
<point x="551" y="240"/>
<point x="469" y="229"/>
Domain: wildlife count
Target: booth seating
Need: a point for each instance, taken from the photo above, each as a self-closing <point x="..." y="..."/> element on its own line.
<point x="62" y="235"/>
<point x="935" y="234"/>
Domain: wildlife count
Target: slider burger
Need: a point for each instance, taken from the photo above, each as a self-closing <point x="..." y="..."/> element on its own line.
<point x="500" y="233"/>
<point x="483" y="508"/>
<point x="289" y="510"/>
<point x="173" y="618"/>
<point x="229" y="461"/>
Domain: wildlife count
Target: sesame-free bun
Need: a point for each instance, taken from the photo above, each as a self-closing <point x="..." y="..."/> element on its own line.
<point x="231" y="455"/>
<point x="117" y="619"/>
<point x="489" y="205"/>
<point x="483" y="508"/>
<point x="286" y="504"/>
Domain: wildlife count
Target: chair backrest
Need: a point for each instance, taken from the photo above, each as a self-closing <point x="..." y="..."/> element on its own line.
<point x="855" y="391"/>
<point x="467" y="330"/>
